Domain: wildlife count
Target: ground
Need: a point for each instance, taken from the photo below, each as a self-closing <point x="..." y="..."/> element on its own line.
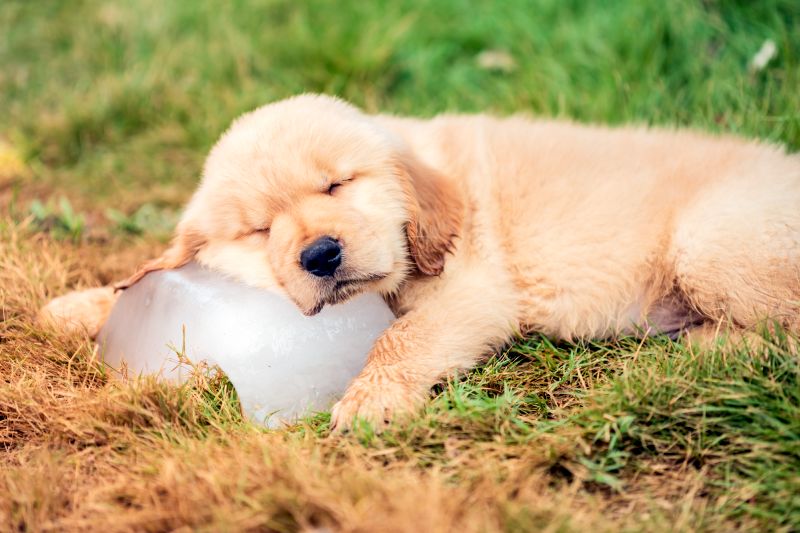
<point x="106" y="112"/>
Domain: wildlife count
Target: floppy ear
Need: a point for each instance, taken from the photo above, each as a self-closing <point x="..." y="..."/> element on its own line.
<point x="182" y="250"/>
<point x="436" y="213"/>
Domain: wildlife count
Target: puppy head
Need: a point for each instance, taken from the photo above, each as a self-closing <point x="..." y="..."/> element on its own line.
<point x="313" y="197"/>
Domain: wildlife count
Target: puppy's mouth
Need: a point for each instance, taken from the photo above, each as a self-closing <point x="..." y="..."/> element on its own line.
<point x="337" y="290"/>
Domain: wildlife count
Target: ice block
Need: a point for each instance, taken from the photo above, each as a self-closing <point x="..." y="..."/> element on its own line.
<point x="282" y="363"/>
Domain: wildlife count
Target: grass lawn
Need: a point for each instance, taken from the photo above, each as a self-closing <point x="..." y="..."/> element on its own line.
<point x="106" y="113"/>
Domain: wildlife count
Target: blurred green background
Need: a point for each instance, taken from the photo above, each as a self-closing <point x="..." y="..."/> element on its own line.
<point x="120" y="101"/>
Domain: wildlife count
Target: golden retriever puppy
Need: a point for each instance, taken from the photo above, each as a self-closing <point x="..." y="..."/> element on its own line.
<point x="478" y="228"/>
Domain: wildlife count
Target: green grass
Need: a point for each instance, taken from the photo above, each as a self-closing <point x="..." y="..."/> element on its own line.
<point x="111" y="108"/>
<point x="735" y="415"/>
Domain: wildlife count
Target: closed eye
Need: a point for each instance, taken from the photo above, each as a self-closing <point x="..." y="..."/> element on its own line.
<point x="264" y="231"/>
<point x="336" y="184"/>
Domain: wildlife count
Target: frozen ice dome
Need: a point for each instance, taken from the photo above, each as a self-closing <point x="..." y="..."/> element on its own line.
<point x="283" y="364"/>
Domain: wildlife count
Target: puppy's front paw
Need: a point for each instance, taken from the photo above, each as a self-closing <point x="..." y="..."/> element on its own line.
<point x="376" y="400"/>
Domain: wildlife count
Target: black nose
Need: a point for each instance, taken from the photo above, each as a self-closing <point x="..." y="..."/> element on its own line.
<point x="322" y="257"/>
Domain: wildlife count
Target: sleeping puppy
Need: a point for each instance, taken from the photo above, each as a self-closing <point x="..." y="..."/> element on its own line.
<point x="476" y="229"/>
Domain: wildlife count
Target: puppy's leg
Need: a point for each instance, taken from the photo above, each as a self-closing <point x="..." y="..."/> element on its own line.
<point x="737" y="249"/>
<point x="85" y="310"/>
<point x="452" y="324"/>
<point x="720" y="336"/>
<point x="717" y="336"/>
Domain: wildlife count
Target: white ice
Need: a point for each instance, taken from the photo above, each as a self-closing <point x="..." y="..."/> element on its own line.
<point x="282" y="363"/>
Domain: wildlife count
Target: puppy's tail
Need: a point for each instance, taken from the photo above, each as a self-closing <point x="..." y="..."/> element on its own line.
<point x="85" y="310"/>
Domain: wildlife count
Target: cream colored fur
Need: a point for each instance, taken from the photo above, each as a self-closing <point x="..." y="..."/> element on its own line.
<point x="476" y="228"/>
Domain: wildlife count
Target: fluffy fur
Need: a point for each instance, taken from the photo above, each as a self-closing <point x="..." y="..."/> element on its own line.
<point x="476" y="228"/>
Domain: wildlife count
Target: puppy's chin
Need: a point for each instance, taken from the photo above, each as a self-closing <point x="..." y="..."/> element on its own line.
<point x="339" y="291"/>
<point x="311" y="311"/>
<point x="330" y="299"/>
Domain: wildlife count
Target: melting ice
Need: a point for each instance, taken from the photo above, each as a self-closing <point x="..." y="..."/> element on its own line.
<point x="282" y="363"/>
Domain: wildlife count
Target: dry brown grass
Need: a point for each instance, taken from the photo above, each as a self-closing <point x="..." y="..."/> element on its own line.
<point x="80" y="451"/>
